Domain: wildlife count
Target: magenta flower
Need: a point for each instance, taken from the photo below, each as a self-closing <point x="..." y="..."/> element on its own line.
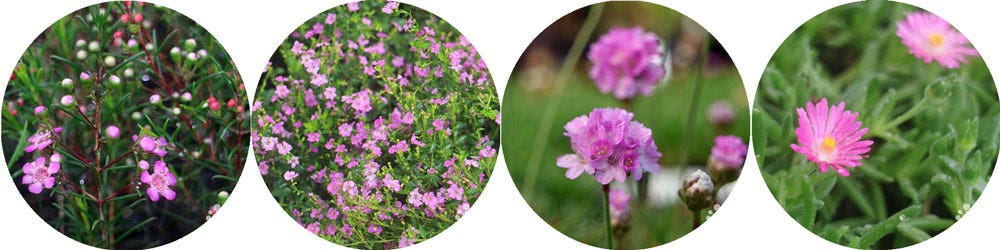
<point x="156" y="146"/>
<point x="38" y="176"/>
<point x="159" y="182"/>
<point x="609" y="145"/>
<point x="626" y="62"/>
<point x="931" y="38"/>
<point x="39" y="141"/>
<point x="112" y="131"/>
<point x="831" y="137"/>
<point x="729" y="150"/>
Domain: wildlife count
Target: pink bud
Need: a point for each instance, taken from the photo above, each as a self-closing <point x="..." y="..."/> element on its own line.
<point x="231" y="103"/>
<point x="112" y="131"/>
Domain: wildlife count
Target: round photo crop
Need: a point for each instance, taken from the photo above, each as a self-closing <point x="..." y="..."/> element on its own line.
<point x="376" y="125"/>
<point x="625" y="125"/>
<point x="125" y="125"/>
<point x="876" y="125"/>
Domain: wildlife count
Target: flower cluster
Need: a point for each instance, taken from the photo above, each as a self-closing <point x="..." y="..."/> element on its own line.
<point x="609" y="145"/>
<point x="627" y="62"/>
<point x="378" y="117"/>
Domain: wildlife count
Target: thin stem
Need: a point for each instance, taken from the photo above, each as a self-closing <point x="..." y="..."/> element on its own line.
<point x="695" y="101"/>
<point x="696" y="222"/>
<point x="607" y="216"/>
<point x="906" y="116"/>
<point x="545" y="125"/>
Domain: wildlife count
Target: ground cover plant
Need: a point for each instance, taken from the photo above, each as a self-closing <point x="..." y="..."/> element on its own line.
<point x="376" y="125"/>
<point x="876" y="125"/>
<point x="124" y="125"/>
<point x="625" y="125"/>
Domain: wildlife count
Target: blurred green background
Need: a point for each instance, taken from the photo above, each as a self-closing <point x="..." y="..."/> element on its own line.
<point x="574" y="207"/>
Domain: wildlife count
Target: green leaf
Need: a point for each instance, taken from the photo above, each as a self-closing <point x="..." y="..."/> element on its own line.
<point x="886" y="226"/>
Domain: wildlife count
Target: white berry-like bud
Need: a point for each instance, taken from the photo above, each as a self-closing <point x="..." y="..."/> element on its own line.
<point x="192" y="57"/>
<point x="154" y="99"/>
<point x="136" y="115"/>
<point x="81" y="54"/>
<point x="66" y="100"/>
<point x="175" y="110"/>
<point x="189" y="44"/>
<point x="149" y="46"/>
<point x="94" y="46"/>
<point x="67" y="83"/>
<point x="110" y="61"/>
<point x="175" y="51"/>
<point x="80" y="43"/>
<point x="202" y="53"/>
<point x="129" y="73"/>
<point x="115" y="80"/>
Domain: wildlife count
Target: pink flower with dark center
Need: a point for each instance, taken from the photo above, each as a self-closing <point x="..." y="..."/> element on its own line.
<point x="38" y="176"/>
<point x="626" y="62"/>
<point x="931" y="38"/>
<point x="831" y="137"/>
<point x="609" y="145"/>
<point x="160" y="182"/>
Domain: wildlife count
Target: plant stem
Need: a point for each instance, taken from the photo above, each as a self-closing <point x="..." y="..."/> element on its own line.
<point x="607" y="216"/>
<point x="906" y="116"/>
<point x="545" y="124"/>
<point x="695" y="101"/>
<point x="696" y="222"/>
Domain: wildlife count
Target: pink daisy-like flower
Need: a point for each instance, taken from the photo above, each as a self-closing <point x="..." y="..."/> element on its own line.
<point x="931" y="38"/>
<point x="38" y="176"/>
<point x="831" y="137"/>
<point x="609" y="145"/>
<point x="160" y="182"/>
<point x="626" y="62"/>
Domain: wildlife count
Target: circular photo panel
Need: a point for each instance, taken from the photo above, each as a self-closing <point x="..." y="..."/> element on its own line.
<point x="625" y="125"/>
<point x="876" y="125"/>
<point x="376" y="125"/>
<point x="125" y="125"/>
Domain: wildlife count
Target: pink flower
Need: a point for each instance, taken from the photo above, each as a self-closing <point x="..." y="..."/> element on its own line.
<point x="729" y="150"/>
<point x="831" y="137"/>
<point x="112" y="131"/>
<point x="931" y="38"/>
<point x="618" y="200"/>
<point x="626" y="62"/>
<point x="159" y="182"/>
<point x="289" y="175"/>
<point x="157" y="146"/>
<point x="38" y="176"/>
<point x="609" y="145"/>
<point x="720" y="113"/>
<point x="390" y="6"/>
<point x="39" y="141"/>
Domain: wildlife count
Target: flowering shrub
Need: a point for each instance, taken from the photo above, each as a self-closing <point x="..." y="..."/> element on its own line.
<point x="376" y="125"/>
<point x="601" y="151"/>
<point x="108" y="130"/>
<point x="898" y="104"/>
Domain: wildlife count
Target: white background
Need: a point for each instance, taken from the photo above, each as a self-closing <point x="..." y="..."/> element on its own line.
<point x="500" y="30"/>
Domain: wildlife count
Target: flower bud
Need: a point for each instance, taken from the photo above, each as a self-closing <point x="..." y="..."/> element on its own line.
<point x="154" y="99"/>
<point x="175" y="54"/>
<point x="175" y="110"/>
<point x="697" y="191"/>
<point x="189" y="44"/>
<point x="112" y="131"/>
<point x="192" y="57"/>
<point x="81" y="54"/>
<point x="39" y="109"/>
<point x="231" y="103"/>
<point x="67" y="100"/>
<point x="67" y="83"/>
<point x="136" y="115"/>
<point x="223" y="196"/>
<point x="115" y="80"/>
<point x="110" y="61"/>
<point x="186" y="97"/>
<point x="129" y="73"/>
<point x="149" y="46"/>
<point x="80" y="43"/>
<point x="727" y="158"/>
<point x="940" y="88"/>
<point x="137" y="17"/>
<point x="621" y="214"/>
<point x="94" y="46"/>
<point x="720" y="114"/>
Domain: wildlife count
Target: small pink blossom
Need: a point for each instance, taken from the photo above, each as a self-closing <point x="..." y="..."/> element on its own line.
<point x="38" y="175"/>
<point x="159" y="182"/>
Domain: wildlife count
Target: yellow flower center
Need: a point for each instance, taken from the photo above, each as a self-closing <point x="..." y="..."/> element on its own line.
<point x="828" y="144"/>
<point x="936" y="39"/>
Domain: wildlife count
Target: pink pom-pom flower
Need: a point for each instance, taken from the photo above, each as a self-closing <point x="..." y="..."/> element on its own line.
<point x="609" y="145"/>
